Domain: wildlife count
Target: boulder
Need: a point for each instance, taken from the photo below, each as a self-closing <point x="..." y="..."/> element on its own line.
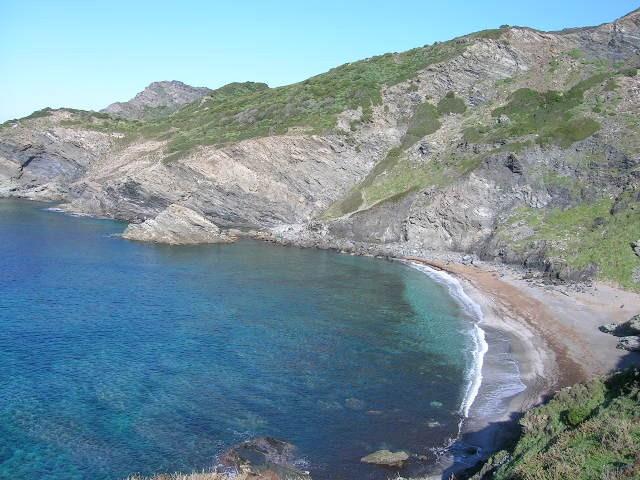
<point x="264" y="458"/>
<point x="386" y="458"/>
<point x="636" y="247"/>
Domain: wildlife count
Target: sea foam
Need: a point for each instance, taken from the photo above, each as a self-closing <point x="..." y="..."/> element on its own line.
<point x="480" y="345"/>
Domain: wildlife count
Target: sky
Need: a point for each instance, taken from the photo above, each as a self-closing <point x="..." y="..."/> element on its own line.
<point x="89" y="53"/>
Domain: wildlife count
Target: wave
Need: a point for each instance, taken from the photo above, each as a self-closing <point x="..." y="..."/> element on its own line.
<point x="66" y="212"/>
<point x="480" y="345"/>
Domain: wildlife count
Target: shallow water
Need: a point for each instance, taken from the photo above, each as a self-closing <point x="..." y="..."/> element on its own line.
<point x="118" y="357"/>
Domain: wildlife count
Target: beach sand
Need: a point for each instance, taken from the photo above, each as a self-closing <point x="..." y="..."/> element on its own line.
<point x="550" y="331"/>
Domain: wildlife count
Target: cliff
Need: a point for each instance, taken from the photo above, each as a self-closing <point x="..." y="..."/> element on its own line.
<point x="513" y="144"/>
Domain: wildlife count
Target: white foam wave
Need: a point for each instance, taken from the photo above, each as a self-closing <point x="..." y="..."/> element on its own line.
<point x="480" y="345"/>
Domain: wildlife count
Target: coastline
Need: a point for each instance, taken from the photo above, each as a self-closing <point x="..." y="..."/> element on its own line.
<point x="551" y="335"/>
<point x="550" y="331"/>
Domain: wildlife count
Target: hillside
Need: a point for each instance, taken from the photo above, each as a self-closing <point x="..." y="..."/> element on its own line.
<point x="589" y="431"/>
<point x="516" y="145"/>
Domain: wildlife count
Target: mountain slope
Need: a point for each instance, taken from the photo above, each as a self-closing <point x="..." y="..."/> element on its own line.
<point x="517" y="145"/>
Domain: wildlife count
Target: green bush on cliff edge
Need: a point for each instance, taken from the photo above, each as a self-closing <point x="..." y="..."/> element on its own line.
<point x="588" y="431"/>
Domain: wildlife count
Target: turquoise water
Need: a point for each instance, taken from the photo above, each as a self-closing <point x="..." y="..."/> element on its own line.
<point x="119" y="357"/>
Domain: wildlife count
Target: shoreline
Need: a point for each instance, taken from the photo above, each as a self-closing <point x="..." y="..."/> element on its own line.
<point x="551" y="332"/>
<point x="552" y="337"/>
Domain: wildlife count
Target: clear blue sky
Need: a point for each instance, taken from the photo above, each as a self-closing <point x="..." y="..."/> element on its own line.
<point x="89" y="53"/>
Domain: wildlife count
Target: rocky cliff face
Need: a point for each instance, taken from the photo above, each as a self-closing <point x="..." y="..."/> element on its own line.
<point x="157" y="99"/>
<point x="513" y="144"/>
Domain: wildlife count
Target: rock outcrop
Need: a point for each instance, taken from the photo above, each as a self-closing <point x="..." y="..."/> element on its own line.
<point x="177" y="225"/>
<point x="264" y="458"/>
<point x="386" y="458"/>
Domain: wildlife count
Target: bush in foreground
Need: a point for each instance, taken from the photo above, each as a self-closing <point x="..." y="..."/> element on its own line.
<point x="589" y="431"/>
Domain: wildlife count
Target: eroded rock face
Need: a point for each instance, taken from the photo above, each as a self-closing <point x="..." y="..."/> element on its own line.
<point x="271" y="183"/>
<point x="177" y="225"/>
<point x="264" y="458"/>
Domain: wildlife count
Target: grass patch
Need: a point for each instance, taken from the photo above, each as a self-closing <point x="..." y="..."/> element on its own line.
<point x="451" y="104"/>
<point x="576" y="53"/>
<point x="547" y="115"/>
<point x="423" y="122"/>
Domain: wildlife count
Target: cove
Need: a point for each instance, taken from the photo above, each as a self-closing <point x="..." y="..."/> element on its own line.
<point x="120" y="357"/>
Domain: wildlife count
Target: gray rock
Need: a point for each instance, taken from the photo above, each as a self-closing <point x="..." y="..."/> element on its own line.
<point x="264" y="458"/>
<point x="636" y="247"/>
<point x="177" y="225"/>
<point x="386" y="458"/>
<point x="629" y="328"/>
<point x="608" y="328"/>
<point x="631" y="343"/>
<point x="276" y="184"/>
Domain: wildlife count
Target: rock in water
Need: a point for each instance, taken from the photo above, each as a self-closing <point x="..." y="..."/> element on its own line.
<point x="631" y="344"/>
<point x="264" y="458"/>
<point x="386" y="458"/>
<point x="177" y="225"/>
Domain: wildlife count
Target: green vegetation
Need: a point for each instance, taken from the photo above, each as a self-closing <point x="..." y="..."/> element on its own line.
<point x="589" y="431"/>
<point x="246" y="110"/>
<point x="576" y="53"/>
<point x="550" y="116"/>
<point x="45" y="112"/>
<point x="451" y="104"/>
<point x="597" y="233"/>
<point x="424" y="122"/>
<point x="312" y="104"/>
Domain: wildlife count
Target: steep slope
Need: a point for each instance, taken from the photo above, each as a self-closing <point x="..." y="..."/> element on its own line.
<point x="585" y="432"/>
<point x="518" y="145"/>
<point x="156" y="100"/>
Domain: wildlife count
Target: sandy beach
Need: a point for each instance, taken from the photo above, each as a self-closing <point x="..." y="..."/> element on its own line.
<point x="552" y="334"/>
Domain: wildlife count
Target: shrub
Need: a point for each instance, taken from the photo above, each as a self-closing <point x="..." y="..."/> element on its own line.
<point x="451" y="104"/>
<point x="576" y="415"/>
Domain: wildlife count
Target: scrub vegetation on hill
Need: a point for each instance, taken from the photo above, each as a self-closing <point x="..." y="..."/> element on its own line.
<point x="586" y="432"/>
<point x="245" y="110"/>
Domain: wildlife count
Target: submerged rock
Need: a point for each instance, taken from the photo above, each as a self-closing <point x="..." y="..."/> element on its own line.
<point x="264" y="458"/>
<point x="177" y="225"/>
<point x="386" y="458"/>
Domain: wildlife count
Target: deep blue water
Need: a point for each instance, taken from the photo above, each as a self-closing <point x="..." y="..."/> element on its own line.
<point x="119" y="357"/>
